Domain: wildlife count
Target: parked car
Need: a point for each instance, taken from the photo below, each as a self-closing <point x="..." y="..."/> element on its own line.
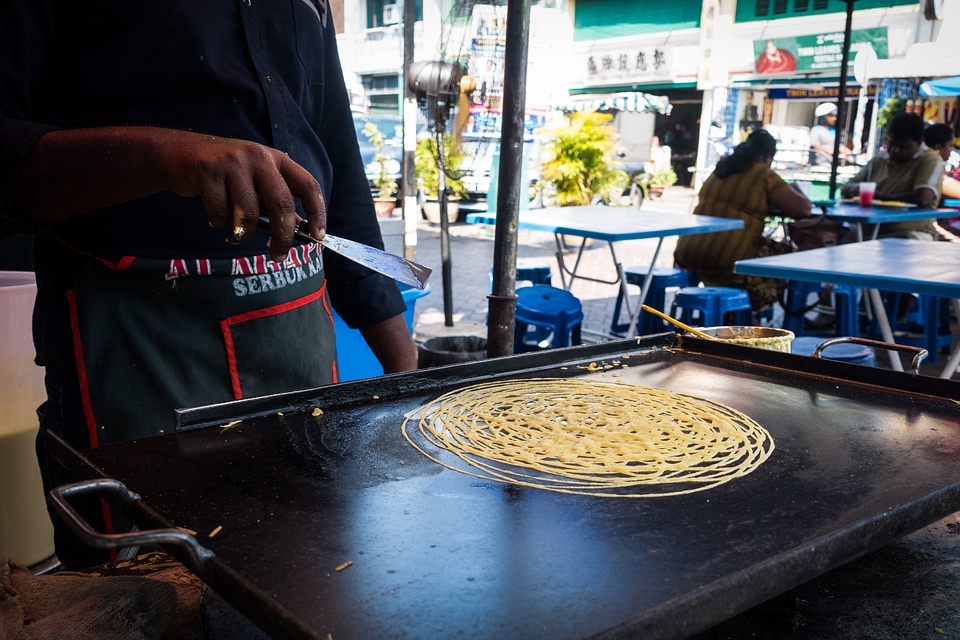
<point x="480" y="152"/>
<point x="391" y="127"/>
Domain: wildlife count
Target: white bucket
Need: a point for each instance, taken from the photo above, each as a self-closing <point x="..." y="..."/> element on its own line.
<point x="26" y="535"/>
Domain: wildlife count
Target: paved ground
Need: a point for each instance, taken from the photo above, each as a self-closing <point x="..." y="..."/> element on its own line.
<point x="910" y="589"/>
<point x="472" y="255"/>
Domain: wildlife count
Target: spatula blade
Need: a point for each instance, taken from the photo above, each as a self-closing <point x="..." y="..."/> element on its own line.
<point x="394" y="266"/>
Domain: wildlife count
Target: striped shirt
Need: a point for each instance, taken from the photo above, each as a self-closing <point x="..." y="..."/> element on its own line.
<point x="742" y="196"/>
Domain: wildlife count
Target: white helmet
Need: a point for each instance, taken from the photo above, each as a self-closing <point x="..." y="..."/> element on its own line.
<point x="825" y="109"/>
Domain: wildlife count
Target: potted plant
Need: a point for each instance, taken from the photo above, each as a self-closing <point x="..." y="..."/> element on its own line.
<point x="654" y="181"/>
<point x="581" y="167"/>
<point x="426" y="163"/>
<point x="385" y="199"/>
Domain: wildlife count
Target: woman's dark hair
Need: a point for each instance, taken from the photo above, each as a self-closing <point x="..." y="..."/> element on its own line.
<point x="757" y="145"/>
<point x="938" y="134"/>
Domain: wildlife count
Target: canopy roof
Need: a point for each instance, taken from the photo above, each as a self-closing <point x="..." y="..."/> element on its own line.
<point x="624" y="101"/>
<point x="941" y="87"/>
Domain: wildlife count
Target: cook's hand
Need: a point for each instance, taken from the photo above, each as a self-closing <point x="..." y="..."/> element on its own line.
<point x="237" y="179"/>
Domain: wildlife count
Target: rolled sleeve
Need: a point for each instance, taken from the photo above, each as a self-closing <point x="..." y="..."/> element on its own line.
<point x="930" y="173"/>
<point x="16" y="140"/>
<point x="367" y="301"/>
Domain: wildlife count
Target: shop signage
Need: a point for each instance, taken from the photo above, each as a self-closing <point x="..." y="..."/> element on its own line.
<point x="818" y="52"/>
<point x="818" y="93"/>
<point x="624" y="64"/>
<point x="488" y="46"/>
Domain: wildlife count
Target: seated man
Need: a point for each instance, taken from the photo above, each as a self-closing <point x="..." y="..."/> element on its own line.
<point x="908" y="171"/>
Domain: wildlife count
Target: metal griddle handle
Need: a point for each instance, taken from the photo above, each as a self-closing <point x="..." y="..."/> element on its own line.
<point x="126" y="498"/>
<point x="919" y="353"/>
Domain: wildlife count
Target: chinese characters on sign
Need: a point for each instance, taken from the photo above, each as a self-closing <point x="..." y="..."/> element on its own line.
<point x="626" y="65"/>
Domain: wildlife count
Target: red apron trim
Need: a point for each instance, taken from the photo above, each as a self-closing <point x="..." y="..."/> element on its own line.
<point x="121" y="265"/>
<point x="82" y="372"/>
<point x="334" y="369"/>
<point x="108" y="525"/>
<point x="226" y="323"/>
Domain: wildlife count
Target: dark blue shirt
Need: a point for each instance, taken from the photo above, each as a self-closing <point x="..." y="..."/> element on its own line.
<point x="259" y="70"/>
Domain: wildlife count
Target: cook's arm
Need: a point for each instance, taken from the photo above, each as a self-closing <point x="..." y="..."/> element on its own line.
<point x="70" y="172"/>
<point x="390" y="341"/>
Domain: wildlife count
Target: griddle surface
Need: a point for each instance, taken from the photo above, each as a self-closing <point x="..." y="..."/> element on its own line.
<point x="439" y="554"/>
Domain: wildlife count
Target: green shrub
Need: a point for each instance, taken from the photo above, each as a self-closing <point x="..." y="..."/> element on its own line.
<point x="581" y="163"/>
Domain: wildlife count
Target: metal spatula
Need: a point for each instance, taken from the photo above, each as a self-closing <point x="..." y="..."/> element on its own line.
<point x="393" y="266"/>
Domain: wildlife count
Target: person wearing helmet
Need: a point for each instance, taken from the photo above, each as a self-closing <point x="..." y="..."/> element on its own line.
<point x="823" y="136"/>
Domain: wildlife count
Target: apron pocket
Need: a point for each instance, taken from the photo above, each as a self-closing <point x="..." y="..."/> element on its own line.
<point x="253" y="352"/>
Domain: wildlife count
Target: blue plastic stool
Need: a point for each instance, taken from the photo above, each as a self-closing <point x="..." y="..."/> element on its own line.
<point x="928" y="320"/>
<point x="843" y="352"/>
<point x="544" y="306"/>
<point x="713" y="304"/>
<point x="846" y="303"/>
<point x="647" y="323"/>
<point x="529" y="271"/>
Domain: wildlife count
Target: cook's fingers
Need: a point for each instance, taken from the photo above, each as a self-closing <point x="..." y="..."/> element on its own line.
<point x="244" y="208"/>
<point x="282" y="227"/>
<point x="278" y="202"/>
<point x="217" y="205"/>
<point x="304" y="186"/>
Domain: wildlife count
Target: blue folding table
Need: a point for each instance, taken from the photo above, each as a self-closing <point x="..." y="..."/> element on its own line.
<point x="889" y="264"/>
<point x="611" y="225"/>
<point x="878" y="215"/>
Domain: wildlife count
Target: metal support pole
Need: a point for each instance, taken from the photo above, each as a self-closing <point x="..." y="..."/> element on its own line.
<point x="446" y="268"/>
<point x="408" y="188"/>
<point x="502" y="303"/>
<point x="842" y="99"/>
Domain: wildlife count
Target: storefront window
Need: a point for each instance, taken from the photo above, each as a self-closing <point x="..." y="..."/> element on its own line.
<point x="383" y="13"/>
<point x="749" y="10"/>
<point x="383" y="93"/>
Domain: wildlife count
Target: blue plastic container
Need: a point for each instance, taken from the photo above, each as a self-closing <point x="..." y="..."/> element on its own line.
<point x="354" y="357"/>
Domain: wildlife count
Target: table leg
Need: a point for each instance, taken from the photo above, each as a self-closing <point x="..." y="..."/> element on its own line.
<point x="885" y="329"/>
<point x="951" y="367"/>
<point x="562" y="264"/>
<point x="633" y="314"/>
<point x="572" y="273"/>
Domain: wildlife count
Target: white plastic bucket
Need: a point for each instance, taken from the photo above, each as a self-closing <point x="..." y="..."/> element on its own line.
<point x="26" y="535"/>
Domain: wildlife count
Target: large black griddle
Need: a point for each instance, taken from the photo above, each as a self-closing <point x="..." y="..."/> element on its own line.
<point x="863" y="457"/>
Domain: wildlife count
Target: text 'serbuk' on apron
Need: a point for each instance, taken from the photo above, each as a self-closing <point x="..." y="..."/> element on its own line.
<point x="150" y="336"/>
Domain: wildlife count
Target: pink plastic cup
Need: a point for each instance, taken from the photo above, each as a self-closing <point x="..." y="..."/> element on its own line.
<point x="867" y="189"/>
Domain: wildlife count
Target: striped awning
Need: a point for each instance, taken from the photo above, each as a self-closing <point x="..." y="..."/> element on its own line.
<point x="625" y="101"/>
